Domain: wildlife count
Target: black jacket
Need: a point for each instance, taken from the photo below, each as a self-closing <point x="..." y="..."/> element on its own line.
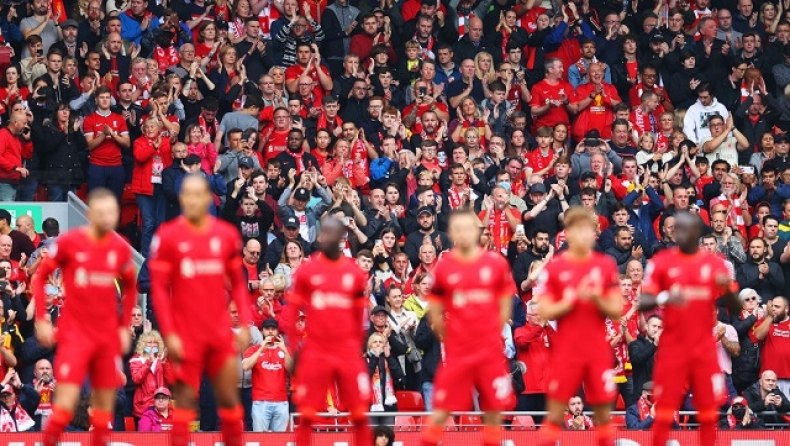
<point x="756" y="402"/>
<point x="397" y="347"/>
<point x="748" y="276"/>
<point x="431" y="349"/>
<point x="61" y="156"/>
<point x="746" y="366"/>
<point x="377" y="362"/>
<point x="753" y="131"/>
<point x="256" y="226"/>
<point x="642" y="353"/>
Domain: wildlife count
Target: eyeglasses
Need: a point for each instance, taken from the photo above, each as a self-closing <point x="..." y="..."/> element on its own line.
<point x="750" y="299"/>
<point x="306" y="85"/>
<point x="254" y="253"/>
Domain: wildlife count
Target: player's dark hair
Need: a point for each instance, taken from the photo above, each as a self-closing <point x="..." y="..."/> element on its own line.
<point x="50" y="227"/>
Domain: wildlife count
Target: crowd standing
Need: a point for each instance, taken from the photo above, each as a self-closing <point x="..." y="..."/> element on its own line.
<point x="390" y="115"/>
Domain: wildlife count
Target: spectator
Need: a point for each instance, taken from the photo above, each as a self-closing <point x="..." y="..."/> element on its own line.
<point x="740" y="416"/>
<point x="60" y="149"/>
<point x="427" y="233"/>
<point x="150" y="371"/>
<point x="759" y="272"/>
<point x="12" y="168"/>
<point x="19" y="244"/>
<point x="270" y="363"/>
<point x="250" y="215"/>
<point x="746" y="366"/>
<point x="106" y="134"/>
<point x="296" y="205"/>
<point x="770" y="332"/>
<point x="640" y="415"/>
<point x="159" y="417"/>
<point x="41" y="24"/>
<point x="137" y="21"/>
<point x="385" y="371"/>
<point x="765" y="396"/>
<point x="152" y="155"/>
<point x="383" y="436"/>
<point x="575" y="419"/>
<point x="44" y="385"/>
<point x="696" y="124"/>
<point x="625" y="249"/>
<point x="642" y="351"/>
<point x="532" y="342"/>
<point x="550" y="101"/>
<point x="292" y="257"/>
<point x="14" y="411"/>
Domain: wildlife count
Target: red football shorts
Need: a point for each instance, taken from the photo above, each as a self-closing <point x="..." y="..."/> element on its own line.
<point x="79" y="356"/>
<point x="452" y="387"/>
<point x="593" y="371"/>
<point x="675" y="373"/>
<point x="317" y="371"/>
<point x="208" y="355"/>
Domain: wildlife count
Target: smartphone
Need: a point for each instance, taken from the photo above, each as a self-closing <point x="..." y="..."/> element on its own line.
<point x="520" y="229"/>
<point x="40" y="52"/>
<point x="347" y="221"/>
<point x="423" y="91"/>
<point x="747" y="169"/>
<point x="379" y="243"/>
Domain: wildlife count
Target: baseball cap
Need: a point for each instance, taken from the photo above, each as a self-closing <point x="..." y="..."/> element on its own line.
<point x="657" y="38"/>
<point x="7" y="389"/>
<point x="537" y="188"/>
<point x="780" y="139"/>
<point x="191" y="160"/>
<point x="270" y="322"/>
<point x="246" y="161"/>
<point x="163" y="391"/>
<point x="739" y="400"/>
<point x="428" y="2"/>
<point x="291" y="222"/>
<point x="648" y="386"/>
<point x="69" y="23"/>
<point x="378" y="308"/>
<point x="301" y="194"/>
<point x="424" y="209"/>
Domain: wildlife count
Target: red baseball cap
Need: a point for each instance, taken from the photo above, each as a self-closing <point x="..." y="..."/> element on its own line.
<point x="163" y="391"/>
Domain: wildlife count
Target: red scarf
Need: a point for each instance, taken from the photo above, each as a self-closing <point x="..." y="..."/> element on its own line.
<point x="323" y="122"/>
<point x="454" y="196"/>
<point x="582" y="67"/>
<point x="222" y="13"/>
<point x="298" y="158"/>
<point x="211" y="129"/>
<point x="500" y="230"/>
<point x="20" y="421"/>
<point x="588" y="422"/>
<point x="505" y="40"/>
<point x="644" y="410"/>
<point x="165" y="58"/>
<point x="426" y="52"/>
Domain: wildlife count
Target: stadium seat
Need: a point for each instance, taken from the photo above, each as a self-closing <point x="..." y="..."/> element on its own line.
<point x="128" y="424"/>
<point x="410" y="401"/>
<point x="450" y="425"/>
<point x="405" y="423"/>
<point x="470" y="423"/>
<point x="618" y="421"/>
<point x="620" y="403"/>
<point x="523" y="423"/>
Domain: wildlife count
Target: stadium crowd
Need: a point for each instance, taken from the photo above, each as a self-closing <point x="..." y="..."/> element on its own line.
<point x="391" y="115"/>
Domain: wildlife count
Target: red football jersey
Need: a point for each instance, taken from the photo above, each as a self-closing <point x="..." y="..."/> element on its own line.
<point x="190" y="271"/>
<point x="89" y="268"/>
<point x="470" y="291"/>
<point x="687" y="326"/>
<point x="332" y="295"/>
<point x="108" y="153"/>
<point x="268" y="375"/>
<point x="584" y="325"/>
<point x="776" y="349"/>
<point x="543" y="92"/>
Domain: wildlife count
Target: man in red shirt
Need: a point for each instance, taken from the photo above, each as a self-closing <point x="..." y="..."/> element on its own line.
<point x="532" y="341"/>
<point x="90" y="258"/>
<point x="551" y="97"/>
<point x="594" y="103"/>
<point x="11" y="166"/>
<point x="774" y="332"/>
<point x="687" y="282"/>
<point x="330" y="289"/>
<point x="308" y="63"/>
<point x="107" y="134"/>
<point x="579" y="289"/>
<point x="471" y="300"/>
<point x="197" y="248"/>
<point x="270" y="363"/>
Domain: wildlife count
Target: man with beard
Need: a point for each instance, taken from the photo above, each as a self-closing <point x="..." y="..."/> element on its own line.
<point x="500" y="218"/>
<point x="295" y="157"/>
<point x="44" y="383"/>
<point x="765" y="396"/>
<point x="772" y="331"/>
<point x="89" y="31"/>
<point x="432" y="130"/>
<point x="759" y="273"/>
<point x="68" y="45"/>
<point x="290" y="233"/>
<point x="728" y="238"/>
<point x="642" y="351"/>
<point x="522" y="266"/>
<point x="39" y="23"/>
<point x="624" y="248"/>
<point x="426" y="234"/>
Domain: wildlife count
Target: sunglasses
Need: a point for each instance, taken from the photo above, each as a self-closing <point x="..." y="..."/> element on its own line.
<point x="749" y="299"/>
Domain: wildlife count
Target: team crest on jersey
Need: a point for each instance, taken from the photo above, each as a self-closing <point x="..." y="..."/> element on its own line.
<point x="187" y="268"/>
<point x="154" y="245"/>
<point x="347" y="281"/>
<point x="485" y="274"/>
<point x="81" y="277"/>
<point x="214" y="244"/>
<point x="704" y="273"/>
<point x="112" y="259"/>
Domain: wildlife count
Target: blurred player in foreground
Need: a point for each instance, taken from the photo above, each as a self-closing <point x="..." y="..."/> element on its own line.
<point x="193" y="259"/>
<point x="91" y="258"/>
<point x="580" y="289"/>
<point x="330" y="289"/>
<point x="471" y="299"/>
<point x="687" y="282"/>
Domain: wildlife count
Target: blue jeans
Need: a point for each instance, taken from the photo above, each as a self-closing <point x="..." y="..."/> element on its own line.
<point x="7" y="192"/>
<point x="269" y="416"/>
<point x="110" y="177"/>
<point x="152" y="211"/>
<point x="427" y="395"/>
<point x="59" y="192"/>
<point x="27" y="189"/>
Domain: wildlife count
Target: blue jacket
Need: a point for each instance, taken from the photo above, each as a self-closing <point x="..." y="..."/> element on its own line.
<point x="758" y="194"/>
<point x="647" y="214"/>
<point x="131" y="30"/>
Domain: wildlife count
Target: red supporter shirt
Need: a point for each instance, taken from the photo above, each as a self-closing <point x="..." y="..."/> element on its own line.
<point x="599" y="114"/>
<point x="277" y="143"/>
<point x="108" y="153"/>
<point x="332" y="295"/>
<point x="89" y="268"/>
<point x="584" y="324"/>
<point x="498" y="224"/>
<point x="268" y="375"/>
<point x="295" y="71"/>
<point x="776" y="349"/>
<point x="694" y="276"/>
<point x="470" y="291"/>
<point x="190" y="268"/>
<point x="543" y="92"/>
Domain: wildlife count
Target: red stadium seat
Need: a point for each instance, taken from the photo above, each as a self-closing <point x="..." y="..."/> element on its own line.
<point x="523" y="423"/>
<point x="405" y="423"/>
<point x="470" y="423"/>
<point x="620" y="403"/>
<point x="128" y="424"/>
<point x="448" y="426"/>
<point x="410" y="401"/>
<point x="618" y="421"/>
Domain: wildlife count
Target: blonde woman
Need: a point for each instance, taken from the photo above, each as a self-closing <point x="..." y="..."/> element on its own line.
<point x="469" y="116"/>
<point x="484" y="68"/>
<point x="150" y="370"/>
<point x="385" y="371"/>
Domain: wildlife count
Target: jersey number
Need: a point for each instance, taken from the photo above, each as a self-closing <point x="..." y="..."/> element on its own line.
<point x="502" y="387"/>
